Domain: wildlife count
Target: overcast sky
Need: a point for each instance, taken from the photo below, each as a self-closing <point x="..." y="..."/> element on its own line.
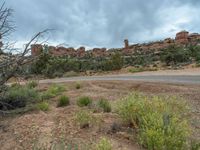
<point x="104" y="23"/>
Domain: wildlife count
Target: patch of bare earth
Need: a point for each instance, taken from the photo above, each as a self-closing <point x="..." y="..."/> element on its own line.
<point x="57" y="126"/>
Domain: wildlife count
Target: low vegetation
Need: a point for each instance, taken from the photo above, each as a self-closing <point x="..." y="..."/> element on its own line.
<point x="161" y="122"/>
<point x="84" y="118"/>
<point x="105" y="105"/>
<point x="141" y="69"/>
<point x="63" y="101"/>
<point x="43" y="106"/>
<point x="84" y="101"/>
<point x="78" y="85"/>
<point x="157" y="122"/>
<point x="53" y="91"/>
<point x="51" y="66"/>
<point x="18" y="96"/>
<point x="104" y="144"/>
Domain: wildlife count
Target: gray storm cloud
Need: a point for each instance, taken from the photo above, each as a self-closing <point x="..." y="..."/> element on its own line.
<point x="104" y="23"/>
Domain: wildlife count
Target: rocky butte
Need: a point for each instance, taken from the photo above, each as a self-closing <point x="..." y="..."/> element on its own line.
<point x="182" y="38"/>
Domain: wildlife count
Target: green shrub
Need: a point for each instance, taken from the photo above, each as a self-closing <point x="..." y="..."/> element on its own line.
<point x="52" y="91"/>
<point x="174" y="55"/>
<point x="117" y="61"/>
<point x="18" y="96"/>
<point x="84" y="101"/>
<point x="78" y="85"/>
<point x="104" y="144"/>
<point x="63" y="101"/>
<point x="44" y="106"/>
<point x="114" y="63"/>
<point x="70" y="74"/>
<point x="141" y="69"/>
<point x="56" y="89"/>
<point x="195" y="145"/>
<point x="32" y="84"/>
<point x="15" y="85"/>
<point x="134" y="70"/>
<point x="105" y="105"/>
<point x="161" y="122"/>
<point x="83" y="118"/>
<point x="46" y="95"/>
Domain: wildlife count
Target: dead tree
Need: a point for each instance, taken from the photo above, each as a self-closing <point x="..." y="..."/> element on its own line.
<point x="12" y="60"/>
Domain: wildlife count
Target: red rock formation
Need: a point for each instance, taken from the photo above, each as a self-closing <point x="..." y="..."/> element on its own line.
<point x="61" y="51"/>
<point x="193" y="38"/>
<point x="98" y="52"/>
<point x="126" y="44"/>
<point x="182" y="37"/>
<point x="168" y="40"/>
<point x="80" y="52"/>
<point x="36" y="49"/>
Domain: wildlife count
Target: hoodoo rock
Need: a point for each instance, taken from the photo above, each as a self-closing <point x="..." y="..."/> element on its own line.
<point x="126" y="44"/>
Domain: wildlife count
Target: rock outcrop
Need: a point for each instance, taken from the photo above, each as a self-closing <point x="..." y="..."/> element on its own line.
<point x="80" y="52"/>
<point x="36" y="49"/>
<point x="182" y="38"/>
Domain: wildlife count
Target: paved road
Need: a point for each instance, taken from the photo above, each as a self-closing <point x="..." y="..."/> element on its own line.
<point x="179" y="79"/>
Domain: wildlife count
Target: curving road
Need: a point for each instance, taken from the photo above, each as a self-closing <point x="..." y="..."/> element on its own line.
<point x="178" y="79"/>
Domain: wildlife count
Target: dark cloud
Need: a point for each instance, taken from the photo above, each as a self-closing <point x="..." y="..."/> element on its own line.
<point x="104" y="22"/>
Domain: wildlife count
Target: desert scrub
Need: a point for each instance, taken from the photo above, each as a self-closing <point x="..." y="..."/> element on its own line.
<point x="18" y="96"/>
<point x="56" y="89"/>
<point x="63" y="101"/>
<point x="104" y="144"/>
<point x="43" y="106"/>
<point x="105" y="105"/>
<point x="84" y="101"/>
<point x="84" y="118"/>
<point x="134" y="70"/>
<point x="53" y="91"/>
<point x="161" y="122"/>
<point x="78" y="85"/>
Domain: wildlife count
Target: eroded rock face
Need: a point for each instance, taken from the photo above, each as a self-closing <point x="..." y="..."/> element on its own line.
<point x="62" y="51"/>
<point x="99" y="52"/>
<point x="36" y="49"/>
<point x="80" y="52"/>
<point x="182" y="37"/>
<point x="194" y="38"/>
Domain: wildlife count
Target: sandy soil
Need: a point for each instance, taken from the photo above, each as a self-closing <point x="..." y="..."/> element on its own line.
<point x="39" y="129"/>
